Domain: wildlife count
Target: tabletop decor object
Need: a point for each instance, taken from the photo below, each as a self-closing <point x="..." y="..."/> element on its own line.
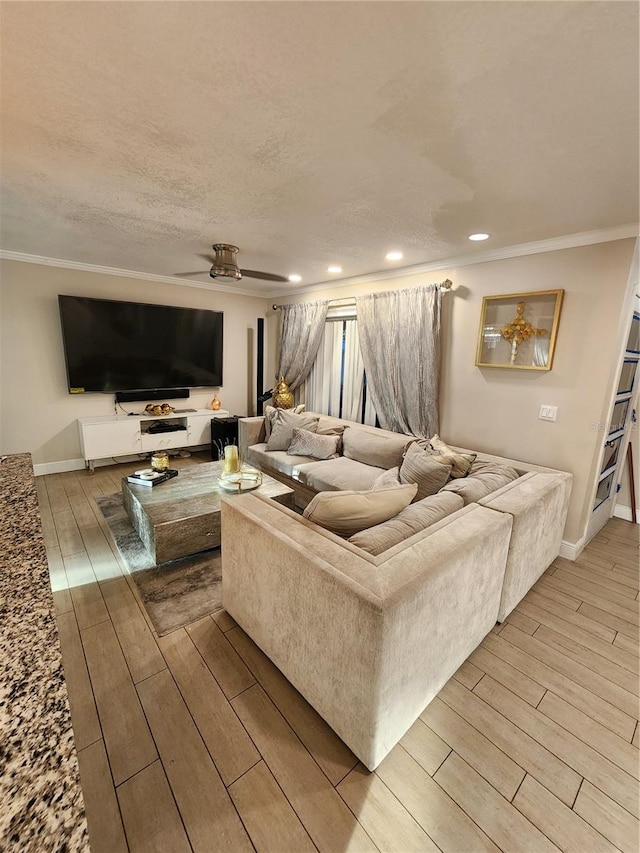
<point x="282" y="396"/>
<point x="243" y="480"/>
<point x="519" y="330"/>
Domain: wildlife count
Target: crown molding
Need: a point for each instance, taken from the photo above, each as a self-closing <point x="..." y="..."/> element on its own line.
<point x="144" y="276"/>
<point x="552" y="244"/>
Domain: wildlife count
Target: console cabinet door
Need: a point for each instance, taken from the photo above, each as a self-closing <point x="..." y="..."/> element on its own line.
<point x="199" y="430"/>
<point x="100" y="441"/>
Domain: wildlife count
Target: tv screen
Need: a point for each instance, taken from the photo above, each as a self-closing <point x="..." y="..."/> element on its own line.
<point x="125" y="346"/>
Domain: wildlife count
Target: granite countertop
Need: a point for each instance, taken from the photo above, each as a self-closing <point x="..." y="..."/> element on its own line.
<point x="41" y="804"/>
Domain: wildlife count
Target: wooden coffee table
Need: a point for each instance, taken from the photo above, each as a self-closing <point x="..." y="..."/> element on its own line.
<point x="182" y="516"/>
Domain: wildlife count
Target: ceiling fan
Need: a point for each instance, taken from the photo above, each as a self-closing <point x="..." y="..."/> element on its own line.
<point x="225" y="268"/>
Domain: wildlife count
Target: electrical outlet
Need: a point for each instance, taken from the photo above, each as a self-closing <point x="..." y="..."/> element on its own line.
<point x="548" y="413"/>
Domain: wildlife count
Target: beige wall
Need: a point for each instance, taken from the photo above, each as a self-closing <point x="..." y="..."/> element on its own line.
<point x="37" y="414"/>
<point x="496" y="410"/>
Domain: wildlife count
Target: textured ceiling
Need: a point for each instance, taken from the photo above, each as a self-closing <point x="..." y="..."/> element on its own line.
<point x="136" y="134"/>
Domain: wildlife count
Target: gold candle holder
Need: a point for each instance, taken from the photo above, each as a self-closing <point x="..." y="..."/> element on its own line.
<point x="231" y="461"/>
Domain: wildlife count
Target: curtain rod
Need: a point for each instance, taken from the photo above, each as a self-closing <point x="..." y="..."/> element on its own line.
<point x="447" y="284"/>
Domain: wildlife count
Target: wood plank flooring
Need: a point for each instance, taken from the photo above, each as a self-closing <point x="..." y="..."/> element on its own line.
<point x="195" y="741"/>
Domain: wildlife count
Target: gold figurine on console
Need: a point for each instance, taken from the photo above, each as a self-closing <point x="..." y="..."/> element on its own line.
<point x="282" y="395"/>
<point x="518" y="331"/>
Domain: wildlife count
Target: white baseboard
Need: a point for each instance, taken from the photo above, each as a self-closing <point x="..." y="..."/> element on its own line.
<point x="79" y="464"/>
<point x="624" y="512"/>
<point x="572" y="550"/>
<point x="58" y="467"/>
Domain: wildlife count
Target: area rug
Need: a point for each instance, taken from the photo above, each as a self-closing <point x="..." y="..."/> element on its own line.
<point x="177" y="593"/>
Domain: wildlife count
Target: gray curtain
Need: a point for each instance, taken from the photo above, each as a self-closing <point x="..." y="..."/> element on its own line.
<point x="301" y="328"/>
<point x="400" y="344"/>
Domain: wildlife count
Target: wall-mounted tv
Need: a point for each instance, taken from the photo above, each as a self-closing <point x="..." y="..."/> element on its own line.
<point x="128" y="346"/>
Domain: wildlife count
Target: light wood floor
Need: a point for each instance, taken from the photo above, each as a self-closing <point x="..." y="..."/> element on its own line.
<point x="196" y="742"/>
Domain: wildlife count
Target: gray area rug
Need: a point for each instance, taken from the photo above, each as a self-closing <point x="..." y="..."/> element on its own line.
<point x="177" y="593"/>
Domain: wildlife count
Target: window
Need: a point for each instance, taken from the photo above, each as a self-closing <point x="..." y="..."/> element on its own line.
<point x="337" y="383"/>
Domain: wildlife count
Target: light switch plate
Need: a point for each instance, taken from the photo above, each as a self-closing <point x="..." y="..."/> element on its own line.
<point x="548" y="413"/>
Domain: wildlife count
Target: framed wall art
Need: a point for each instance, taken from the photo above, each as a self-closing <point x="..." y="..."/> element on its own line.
<point x="519" y="330"/>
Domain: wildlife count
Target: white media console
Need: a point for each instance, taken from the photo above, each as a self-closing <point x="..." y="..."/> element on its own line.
<point x="123" y="435"/>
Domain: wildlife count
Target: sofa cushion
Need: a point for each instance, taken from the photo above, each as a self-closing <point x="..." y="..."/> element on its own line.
<point x="413" y="519"/>
<point x="306" y="443"/>
<point x="337" y="474"/>
<point x="270" y="414"/>
<point x="461" y="462"/>
<point x="282" y="427"/>
<point x="422" y="467"/>
<point x="345" y="513"/>
<point x="480" y="467"/>
<point x="276" y="460"/>
<point x="381" y="451"/>
<point x="475" y="487"/>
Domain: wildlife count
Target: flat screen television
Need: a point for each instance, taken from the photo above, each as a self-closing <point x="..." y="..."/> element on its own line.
<point x="114" y="346"/>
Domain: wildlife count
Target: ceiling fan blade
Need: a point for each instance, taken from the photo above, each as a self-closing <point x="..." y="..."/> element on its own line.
<point x="265" y="276"/>
<point x="210" y="258"/>
<point x="187" y="274"/>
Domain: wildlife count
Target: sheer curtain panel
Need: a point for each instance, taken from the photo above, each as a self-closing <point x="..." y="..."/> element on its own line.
<point x="400" y="344"/>
<point x="301" y="328"/>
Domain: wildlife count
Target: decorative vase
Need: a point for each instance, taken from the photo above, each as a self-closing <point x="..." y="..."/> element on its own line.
<point x="282" y="395"/>
<point x="215" y="404"/>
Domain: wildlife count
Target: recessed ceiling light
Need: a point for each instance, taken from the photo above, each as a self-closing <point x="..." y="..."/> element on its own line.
<point x="295" y="278"/>
<point x="478" y="237"/>
<point x="394" y="256"/>
<point x="334" y="269"/>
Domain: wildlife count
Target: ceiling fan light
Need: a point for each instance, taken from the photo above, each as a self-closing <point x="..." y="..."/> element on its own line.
<point x="225" y="267"/>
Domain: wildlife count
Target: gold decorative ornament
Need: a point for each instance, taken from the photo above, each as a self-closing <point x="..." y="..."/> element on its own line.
<point x="215" y="404"/>
<point x="159" y="409"/>
<point x="160" y="460"/>
<point x="518" y="331"/>
<point x="282" y="395"/>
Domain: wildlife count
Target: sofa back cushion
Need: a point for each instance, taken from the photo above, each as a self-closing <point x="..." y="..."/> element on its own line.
<point x="422" y="467"/>
<point x="482" y="483"/>
<point x="283" y="424"/>
<point x="381" y="451"/>
<point x="345" y="513"/>
<point x="411" y="520"/>
<point x="307" y="443"/>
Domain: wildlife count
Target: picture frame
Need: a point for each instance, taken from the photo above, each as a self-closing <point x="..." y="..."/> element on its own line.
<point x="518" y="331"/>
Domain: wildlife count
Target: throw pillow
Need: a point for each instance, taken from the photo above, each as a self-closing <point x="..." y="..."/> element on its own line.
<point x="411" y="520"/>
<point x="387" y="480"/>
<point x="346" y="513"/>
<point x="283" y="425"/>
<point x="461" y="462"/>
<point x="428" y="471"/>
<point x="306" y="443"/>
<point x="271" y="413"/>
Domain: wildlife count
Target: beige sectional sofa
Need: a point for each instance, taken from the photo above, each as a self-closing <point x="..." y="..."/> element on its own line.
<point x="370" y="639"/>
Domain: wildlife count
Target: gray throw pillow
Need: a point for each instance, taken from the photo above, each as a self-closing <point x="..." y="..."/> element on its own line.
<point x="307" y="443"/>
<point x="271" y="413"/>
<point x="283" y="425"/>
<point x="411" y="520"/>
<point x="461" y="462"/>
<point x="422" y="467"/>
<point x="387" y="480"/>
